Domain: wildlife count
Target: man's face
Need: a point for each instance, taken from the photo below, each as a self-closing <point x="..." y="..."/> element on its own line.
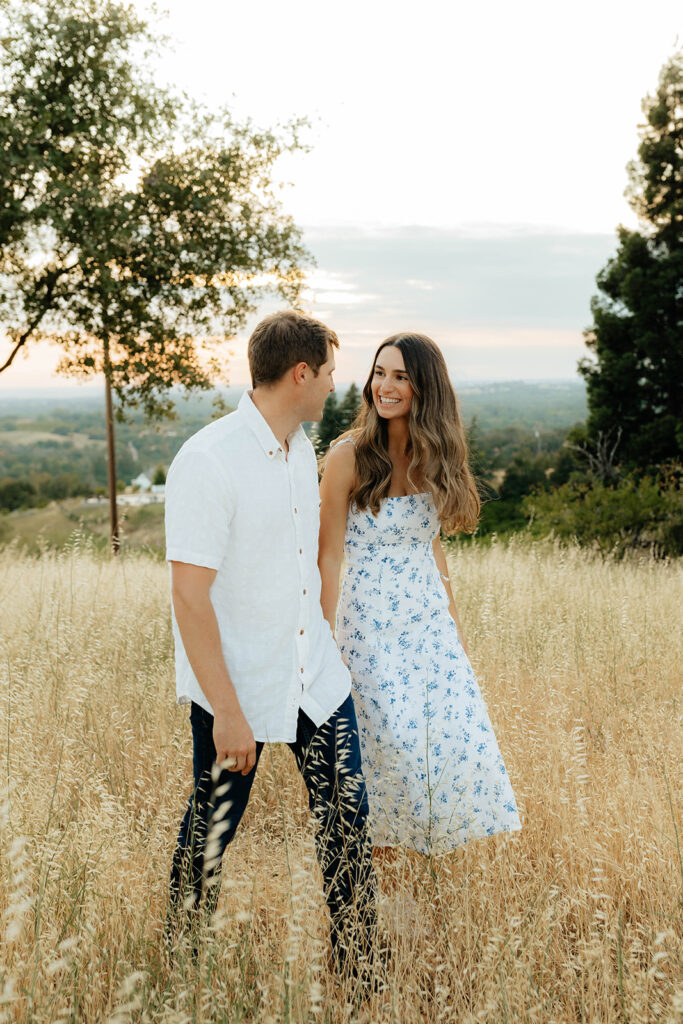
<point x="318" y="388"/>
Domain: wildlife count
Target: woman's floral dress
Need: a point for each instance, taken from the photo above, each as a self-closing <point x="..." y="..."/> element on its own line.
<point x="434" y="773"/>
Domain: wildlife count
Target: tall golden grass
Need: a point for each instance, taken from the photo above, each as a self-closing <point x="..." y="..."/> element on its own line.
<point x="576" y="918"/>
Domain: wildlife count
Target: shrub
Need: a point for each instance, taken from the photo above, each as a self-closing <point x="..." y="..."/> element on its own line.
<point x="639" y="512"/>
<point x="16" y="494"/>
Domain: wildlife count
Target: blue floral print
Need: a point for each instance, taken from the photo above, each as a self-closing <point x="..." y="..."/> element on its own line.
<point x="434" y="772"/>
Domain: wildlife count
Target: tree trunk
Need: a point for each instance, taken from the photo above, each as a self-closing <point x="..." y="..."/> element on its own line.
<point x="111" y="454"/>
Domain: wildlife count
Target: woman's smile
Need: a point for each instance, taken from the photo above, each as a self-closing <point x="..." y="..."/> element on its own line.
<point x="392" y="391"/>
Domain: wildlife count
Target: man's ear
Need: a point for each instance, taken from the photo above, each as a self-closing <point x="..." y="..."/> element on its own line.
<point x="299" y="373"/>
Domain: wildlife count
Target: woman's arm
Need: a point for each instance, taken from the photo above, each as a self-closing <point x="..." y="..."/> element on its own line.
<point x="335" y="488"/>
<point x="442" y="566"/>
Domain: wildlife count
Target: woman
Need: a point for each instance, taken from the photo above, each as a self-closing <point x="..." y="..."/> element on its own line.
<point x="434" y="772"/>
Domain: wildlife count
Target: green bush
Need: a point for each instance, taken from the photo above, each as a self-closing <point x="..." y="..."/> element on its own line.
<point x="16" y="494"/>
<point x="639" y="513"/>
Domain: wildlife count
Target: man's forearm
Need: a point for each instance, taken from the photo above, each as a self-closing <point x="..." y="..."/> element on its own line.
<point x="202" y="642"/>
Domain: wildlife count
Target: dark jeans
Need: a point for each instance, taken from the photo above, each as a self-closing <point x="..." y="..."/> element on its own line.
<point x="329" y="761"/>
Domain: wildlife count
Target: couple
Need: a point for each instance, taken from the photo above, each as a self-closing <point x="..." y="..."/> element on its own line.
<point x="255" y="598"/>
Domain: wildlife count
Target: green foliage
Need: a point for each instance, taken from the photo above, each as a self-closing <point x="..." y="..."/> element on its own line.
<point x="135" y="232"/>
<point x="640" y="512"/>
<point x="39" y="489"/>
<point x="159" y="475"/>
<point x="337" y="417"/>
<point x="16" y="494"/>
<point x="132" y="280"/>
<point x="350" y="404"/>
<point x="523" y="475"/>
<point x="501" y="516"/>
<point x="635" y="382"/>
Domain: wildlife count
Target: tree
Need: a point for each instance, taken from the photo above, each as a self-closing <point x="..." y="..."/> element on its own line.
<point x="330" y="426"/>
<point x="524" y="474"/>
<point x="635" y="382"/>
<point x="348" y="407"/>
<point x="16" y="494"/>
<point x="159" y="475"/>
<point x="337" y="417"/>
<point x="135" y="232"/>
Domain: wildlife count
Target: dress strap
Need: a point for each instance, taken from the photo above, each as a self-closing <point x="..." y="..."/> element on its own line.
<point x="344" y="440"/>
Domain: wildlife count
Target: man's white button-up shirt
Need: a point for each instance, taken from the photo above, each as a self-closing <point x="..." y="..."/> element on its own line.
<point x="238" y="503"/>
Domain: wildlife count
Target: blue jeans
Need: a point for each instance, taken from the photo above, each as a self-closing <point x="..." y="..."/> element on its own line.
<point x="330" y="764"/>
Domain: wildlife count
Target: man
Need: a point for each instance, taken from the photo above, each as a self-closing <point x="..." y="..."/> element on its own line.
<point x="254" y="656"/>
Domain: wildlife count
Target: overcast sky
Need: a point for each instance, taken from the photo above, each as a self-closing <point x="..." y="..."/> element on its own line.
<point x="467" y="161"/>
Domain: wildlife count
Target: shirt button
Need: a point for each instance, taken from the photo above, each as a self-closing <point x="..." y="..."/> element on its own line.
<point x="304" y="590"/>
<point x="302" y="668"/>
<point x="270" y="453"/>
<point x="301" y="551"/>
<point x="301" y="632"/>
<point x="295" y="511"/>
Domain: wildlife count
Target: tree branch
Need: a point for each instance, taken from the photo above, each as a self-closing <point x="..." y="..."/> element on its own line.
<point x="21" y="342"/>
<point x="47" y="303"/>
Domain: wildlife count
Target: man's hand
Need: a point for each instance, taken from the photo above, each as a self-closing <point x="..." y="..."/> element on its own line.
<point x="234" y="742"/>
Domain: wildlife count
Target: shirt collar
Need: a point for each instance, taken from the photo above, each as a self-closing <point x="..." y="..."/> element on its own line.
<point x="260" y="428"/>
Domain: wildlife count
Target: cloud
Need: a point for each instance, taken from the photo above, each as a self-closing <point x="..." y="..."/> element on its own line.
<point x="508" y="302"/>
<point x="503" y="303"/>
<point x="513" y="279"/>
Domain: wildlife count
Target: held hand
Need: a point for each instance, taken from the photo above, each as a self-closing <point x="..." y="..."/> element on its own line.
<point x="234" y="742"/>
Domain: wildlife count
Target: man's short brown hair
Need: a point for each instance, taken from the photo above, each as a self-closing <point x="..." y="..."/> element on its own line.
<point x="284" y="339"/>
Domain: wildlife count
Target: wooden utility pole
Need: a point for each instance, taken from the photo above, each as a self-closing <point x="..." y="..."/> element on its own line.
<point x="111" y="454"/>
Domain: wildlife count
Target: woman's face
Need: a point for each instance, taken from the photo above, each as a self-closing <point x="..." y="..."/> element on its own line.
<point x="391" y="389"/>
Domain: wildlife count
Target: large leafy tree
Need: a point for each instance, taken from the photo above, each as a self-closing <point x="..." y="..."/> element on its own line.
<point x="635" y="380"/>
<point x="135" y="232"/>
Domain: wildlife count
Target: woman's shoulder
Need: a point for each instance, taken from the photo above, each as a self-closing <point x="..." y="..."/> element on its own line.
<point x="344" y="439"/>
<point x="343" y="450"/>
<point x="340" y="461"/>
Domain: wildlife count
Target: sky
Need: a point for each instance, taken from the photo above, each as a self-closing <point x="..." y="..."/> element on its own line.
<point x="466" y="168"/>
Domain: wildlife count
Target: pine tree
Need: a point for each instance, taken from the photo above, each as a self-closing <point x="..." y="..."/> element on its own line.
<point x="337" y="417"/>
<point x="635" y="382"/>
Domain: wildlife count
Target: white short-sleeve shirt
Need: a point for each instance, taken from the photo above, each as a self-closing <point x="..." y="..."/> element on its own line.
<point x="237" y="503"/>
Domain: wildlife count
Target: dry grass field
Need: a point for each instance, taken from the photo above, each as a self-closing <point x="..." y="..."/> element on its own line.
<point x="579" y="917"/>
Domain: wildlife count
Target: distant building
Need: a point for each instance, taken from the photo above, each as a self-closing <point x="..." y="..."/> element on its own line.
<point x="142" y="482"/>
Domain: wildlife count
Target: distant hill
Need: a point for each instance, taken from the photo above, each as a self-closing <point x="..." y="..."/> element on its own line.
<point x="543" y="405"/>
<point x="552" y="403"/>
<point x="53" y="451"/>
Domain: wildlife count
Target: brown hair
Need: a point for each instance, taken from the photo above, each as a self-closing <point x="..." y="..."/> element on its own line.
<point x="437" y="441"/>
<point x="284" y="339"/>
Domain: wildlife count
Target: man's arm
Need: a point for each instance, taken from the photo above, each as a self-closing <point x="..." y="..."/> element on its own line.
<point x="232" y="735"/>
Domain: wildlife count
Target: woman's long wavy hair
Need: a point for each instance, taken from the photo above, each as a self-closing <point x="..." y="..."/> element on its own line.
<point x="437" y="443"/>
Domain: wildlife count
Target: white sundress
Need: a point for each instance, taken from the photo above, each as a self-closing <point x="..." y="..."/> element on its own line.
<point x="434" y="773"/>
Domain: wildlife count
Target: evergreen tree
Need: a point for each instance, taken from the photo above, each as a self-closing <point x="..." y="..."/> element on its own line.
<point x="330" y="426"/>
<point x="635" y="382"/>
<point x="337" y="418"/>
<point x="348" y="407"/>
